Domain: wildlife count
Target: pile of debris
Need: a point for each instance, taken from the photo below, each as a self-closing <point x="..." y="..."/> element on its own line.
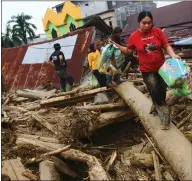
<point x="83" y="134"/>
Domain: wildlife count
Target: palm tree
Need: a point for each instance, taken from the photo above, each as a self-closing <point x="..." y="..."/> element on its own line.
<point x="10" y="38"/>
<point x="22" y="27"/>
<point x="6" y="38"/>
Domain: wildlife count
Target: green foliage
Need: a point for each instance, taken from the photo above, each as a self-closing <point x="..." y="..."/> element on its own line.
<point x="20" y="31"/>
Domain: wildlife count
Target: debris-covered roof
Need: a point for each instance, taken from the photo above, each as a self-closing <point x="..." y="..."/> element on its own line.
<point x="25" y="67"/>
<point x="99" y="24"/>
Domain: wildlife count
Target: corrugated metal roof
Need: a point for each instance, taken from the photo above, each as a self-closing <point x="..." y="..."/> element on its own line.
<point x="164" y="17"/>
<point x="18" y="75"/>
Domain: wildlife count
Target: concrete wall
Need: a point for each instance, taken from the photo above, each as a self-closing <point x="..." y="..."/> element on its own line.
<point x="109" y="16"/>
<point x="93" y="7"/>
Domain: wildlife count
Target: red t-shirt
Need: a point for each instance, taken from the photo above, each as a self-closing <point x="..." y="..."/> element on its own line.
<point x="149" y="48"/>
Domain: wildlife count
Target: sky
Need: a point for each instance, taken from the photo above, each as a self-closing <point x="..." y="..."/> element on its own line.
<point x="37" y="10"/>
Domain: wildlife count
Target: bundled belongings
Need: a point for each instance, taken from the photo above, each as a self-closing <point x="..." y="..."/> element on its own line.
<point x="177" y="76"/>
<point x="111" y="63"/>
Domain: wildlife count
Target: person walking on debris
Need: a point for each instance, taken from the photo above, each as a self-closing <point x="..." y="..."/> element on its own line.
<point x="149" y="42"/>
<point x="114" y="72"/>
<point x="57" y="58"/>
<point x="93" y="59"/>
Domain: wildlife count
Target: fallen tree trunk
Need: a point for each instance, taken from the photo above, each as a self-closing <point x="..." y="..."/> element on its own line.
<point x="108" y="118"/>
<point x="73" y="98"/>
<point x="172" y="143"/>
<point x="102" y="107"/>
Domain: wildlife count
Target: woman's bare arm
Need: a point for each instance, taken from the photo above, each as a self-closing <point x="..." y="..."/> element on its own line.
<point x="170" y="52"/>
<point x="123" y="49"/>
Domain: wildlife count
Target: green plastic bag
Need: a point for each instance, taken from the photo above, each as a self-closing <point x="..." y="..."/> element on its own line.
<point x="110" y="51"/>
<point x="183" y="86"/>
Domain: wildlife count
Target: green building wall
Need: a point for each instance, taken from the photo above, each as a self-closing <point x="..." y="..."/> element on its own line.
<point x="62" y="30"/>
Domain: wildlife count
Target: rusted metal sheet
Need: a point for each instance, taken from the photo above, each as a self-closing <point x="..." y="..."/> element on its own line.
<point x="20" y="75"/>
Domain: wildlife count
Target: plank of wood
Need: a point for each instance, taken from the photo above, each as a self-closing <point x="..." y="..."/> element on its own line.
<point x="14" y="169"/>
<point x="102" y="107"/>
<point x="158" y="175"/>
<point x="47" y="171"/>
<point x="18" y="168"/>
<point x="41" y="138"/>
<point x="8" y="170"/>
<point x="72" y="99"/>
<point x="52" y="146"/>
<point x="45" y="123"/>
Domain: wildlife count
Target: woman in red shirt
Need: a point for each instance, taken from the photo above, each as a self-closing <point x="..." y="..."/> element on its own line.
<point x="149" y="42"/>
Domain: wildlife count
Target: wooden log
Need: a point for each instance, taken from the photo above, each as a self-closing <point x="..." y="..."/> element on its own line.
<point x="144" y="147"/>
<point x="29" y="95"/>
<point x="72" y="99"/>
<point x="43" y="122"/>
<point x="140" y="159"/>
<point x="167" y="175"/>
<point x="45" y="145"/>
<point x="172" y="143"/>
<point x="63" y="168"/>
<point x="34" y="94"/>
<point x="96" y="171"/>
<point x="184" y="120"/>
<point x="47" y="171"/>
<point x="156" y="166"/>
<point x="156" y="150"/>
<point x="29" y="175"/>
<point x="20" y="99"/>
<point x="108" y="118"/>
<point x="188" y="134"/>
<point x="111" y="161"/>
<point x="102" y="107"/>
<point x="33" y="107"/>
<point x="40" y="138"/>
<point x="74" y="91"/>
